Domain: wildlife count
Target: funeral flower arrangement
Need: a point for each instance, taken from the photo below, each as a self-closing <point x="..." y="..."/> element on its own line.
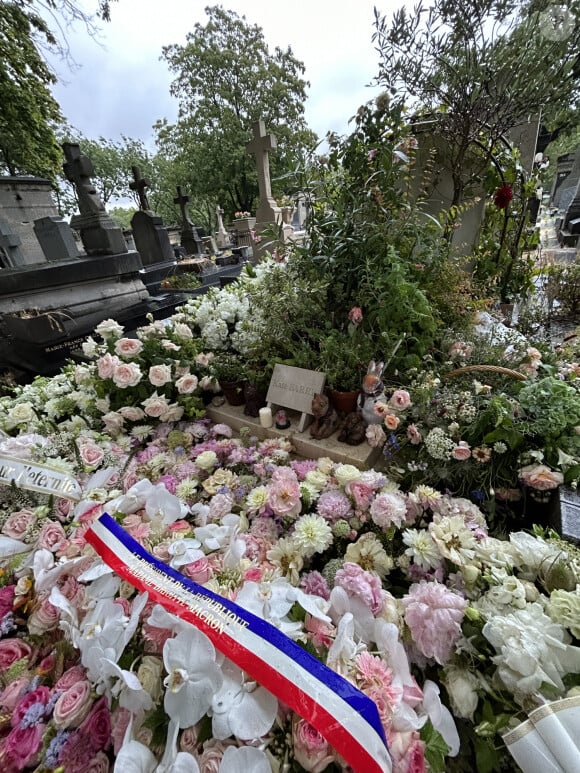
<point x="451" y="632"/>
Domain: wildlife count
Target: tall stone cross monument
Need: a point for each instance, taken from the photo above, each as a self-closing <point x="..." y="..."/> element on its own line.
<point x="260" y="147"/>
<point x="190" y="238"/>
<point x="139" y="185"/>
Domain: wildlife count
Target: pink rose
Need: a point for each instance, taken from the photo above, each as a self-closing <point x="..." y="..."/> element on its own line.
<point x="355" y="315"/>
<point x="21" y="747"/>
<point x="12" y="650"/>
<point x="188" y="740"/>
<point x="154" y="406"/>
<point x="119" y="722"/>
<point x="434" y="615"/>
<point x="41" y="696"/>
<point x="462" y="451"/>
<point x="113" y="422"/>
<point x="18" y="524"/>
<point x="73" y="705"/>
<point x="284" y="492"/>
<point x="198" y="571"/>
<point x="97" y="726"/>
<point x="174" y="412"/>
<point x="128" y="347"/>
<point x="91" y="454"/>
<point x="210" y="760"/>
<point x="391" y="421"/>
<point x="99" y="764"/>
<point x="106" y="365"/>
<point x="400" y="400"/>
<point x="414" y="435"/>
<point x="6" y="599"/>
<point x="540" y="477"/>
<point x="51" y="537"/>
<point x="408" y="752"/>
<point x="159" y="375"/>
<point x="71" y="676"/>
<point x="311" y="750"/>
<point x="45" y="617"/>
<point x="187" y="384"/>
<point x="127" y="374"/>
<point x="11" y="695"/>
<point x="63" y="508"/>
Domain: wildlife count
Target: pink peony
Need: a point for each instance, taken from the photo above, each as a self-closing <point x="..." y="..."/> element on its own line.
<point x="127" y="374"/>
<point x="389" y="509"/>
<point x="128" y="347"/>
<point x="284" y="492"/>
<point x="18" y="523"/>
<point x="334" y="505"/>
<point x="366" y="586"/>
<point x="311" y="749"/>
<point x="355" y="315"/>
<point x="434" y="615"/>
<point x="12" y="650"/>
<point x="106" y="365"/>
<point x="361" y="492"/>
<point x="314" y="584"/>
<point x="400" y="400"/>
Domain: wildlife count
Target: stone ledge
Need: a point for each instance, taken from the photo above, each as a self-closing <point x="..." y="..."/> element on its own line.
<point x="362" y="456"/>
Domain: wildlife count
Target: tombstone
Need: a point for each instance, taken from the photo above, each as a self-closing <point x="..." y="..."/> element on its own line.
<point x="10" y="253"/>
<point x="24" y="199"/>
<point x="151" y="238"/>
<point x="564" y="165"/>
<point x="56" y="238"/>
<point x="223" y="240"/>
<point x="209" y="245"/>
<point x="268" y="211"/>
<point x="190" y="238"/>
<point x="99" y="234"/>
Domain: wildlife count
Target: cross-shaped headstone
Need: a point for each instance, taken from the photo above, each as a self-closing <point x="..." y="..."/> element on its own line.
<point x="261" y="146"/>
<point x="181" y="200"/>
<point x="79" y="169"/>
<point x="139" y="185"/>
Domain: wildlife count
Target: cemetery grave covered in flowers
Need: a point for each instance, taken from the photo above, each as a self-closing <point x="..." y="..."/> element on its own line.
<point x="253" y="579"/>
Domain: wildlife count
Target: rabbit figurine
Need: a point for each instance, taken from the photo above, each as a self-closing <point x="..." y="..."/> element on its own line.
<point x="373" y="390"/>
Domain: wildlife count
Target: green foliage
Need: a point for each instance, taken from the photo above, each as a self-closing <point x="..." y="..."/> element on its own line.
<point x="29" y="113"/>
<point x="122" y="216"/>
<point x="226" y="79"/>
<point x="563" y="285"/>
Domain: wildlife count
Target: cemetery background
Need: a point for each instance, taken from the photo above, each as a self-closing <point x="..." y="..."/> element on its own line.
<point x="399" y="559"/>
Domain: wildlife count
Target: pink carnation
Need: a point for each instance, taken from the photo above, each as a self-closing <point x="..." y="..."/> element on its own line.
<point x="366" y="586"/>
<point x="434" y="615"/>
<point x="389" y="509"/>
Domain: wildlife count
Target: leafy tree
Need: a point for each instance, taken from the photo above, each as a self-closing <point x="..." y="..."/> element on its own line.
<point x="29" y="113"/>
<point x="476" y="68"/>
<point x="122" y="216"/>
<point x="226" y="79"/>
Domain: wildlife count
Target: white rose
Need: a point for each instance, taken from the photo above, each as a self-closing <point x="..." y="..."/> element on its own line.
<point x="181" y="330"/>
<point x="461" y="686"/>
<point x="173" y="413"/>
<point x="108" y="328"/>
<point x="21" y="413"/>
<point x="149" y="674"/>
<point x="89" y="347"/>
<point x="132" y="413"/>
<point x="344" y="473"/>
<point x="159" y="375"/>
<point x="187" y="384"/>
<point x="325" y="465"/>
<point x="113" y="422"/>
<point x="316" y="479"/>
<point x="207" y="460"/>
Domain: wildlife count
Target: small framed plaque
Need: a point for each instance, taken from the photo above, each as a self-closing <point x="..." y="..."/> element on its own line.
<point x="294" y="388"/>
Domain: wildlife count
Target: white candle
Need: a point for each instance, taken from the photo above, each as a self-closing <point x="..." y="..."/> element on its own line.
<point x="266" y="417"/>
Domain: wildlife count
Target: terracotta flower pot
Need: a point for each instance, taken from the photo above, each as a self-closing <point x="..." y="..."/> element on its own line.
<point x="345" y="402"/>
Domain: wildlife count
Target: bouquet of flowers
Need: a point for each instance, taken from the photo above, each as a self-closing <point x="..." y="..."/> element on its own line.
<point x="405" y="595"/>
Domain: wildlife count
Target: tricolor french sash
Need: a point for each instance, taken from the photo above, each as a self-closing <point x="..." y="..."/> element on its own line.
<point x="348" y="719"/>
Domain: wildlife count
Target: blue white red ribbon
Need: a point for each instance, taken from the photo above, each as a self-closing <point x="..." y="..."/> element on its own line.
<point x="348" y="719"/>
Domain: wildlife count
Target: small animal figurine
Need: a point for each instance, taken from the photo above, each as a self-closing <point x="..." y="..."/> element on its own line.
<point x="353" y="430"/>
<point x="326" y="419"/>
<point x="282" y="420"/>
<point x="254" y="400"/>
<point x="373" y="390"/>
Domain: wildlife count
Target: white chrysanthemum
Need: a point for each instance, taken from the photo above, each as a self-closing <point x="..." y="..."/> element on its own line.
<point x="256" y="499"/>
<point x="370" y="555"/>
<point x="421" y="548"/>
<point x="186" y="489"/>
<point x="312" y="535"/>
<point x="427" y="495"/>
<point x="453" y="538"/>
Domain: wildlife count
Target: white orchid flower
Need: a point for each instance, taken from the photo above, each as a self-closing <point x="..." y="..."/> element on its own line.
<point x="132" y="500"/>
<point x="161" y="504"/>
<point x="440" y="716"/>
<point x="245" y="759"/>
<point x="128" y="688"/>
<point x="174" y="761"/>
<point x="46" y="570"/>
<point x="344" y="649"/>
<point x="184" y="551"/>
<point x="193" y="676"/>
<point x="241" y="707"/>
<point x="200" y="512"/>
<point x="215" y="536"/>
<point x="364" y="621"/>
<point x="160" y="618"/>
<point x="271" y="601"/>
<point x="12" y="547"/>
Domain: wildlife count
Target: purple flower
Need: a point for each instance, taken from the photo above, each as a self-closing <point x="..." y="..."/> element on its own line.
<point x="302" y="467"/>
<point x="315" y="584"/>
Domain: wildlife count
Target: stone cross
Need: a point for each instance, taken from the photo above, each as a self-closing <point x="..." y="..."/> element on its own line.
<point x="261" y="146"/>
<point x="139" y="185"/>
<point x="222" y="236"/>
<point x="78" y="170"/>
<point x="181" y="200"/>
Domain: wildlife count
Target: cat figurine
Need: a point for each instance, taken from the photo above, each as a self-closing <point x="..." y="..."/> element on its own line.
<point x="326" y="419"/>
<point x="353" y="430"/>
<point x="373" y="391"/>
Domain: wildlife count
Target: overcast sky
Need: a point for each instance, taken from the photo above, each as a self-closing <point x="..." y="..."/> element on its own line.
<point x="122" y="87"/>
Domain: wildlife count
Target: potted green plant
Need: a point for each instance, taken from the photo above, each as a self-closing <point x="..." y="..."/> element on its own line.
<point x="229" y="370"/>
<point x="344" y="359"/>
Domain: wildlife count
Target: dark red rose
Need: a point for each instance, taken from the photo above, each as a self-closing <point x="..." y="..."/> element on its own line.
<point x="503" y="196"/>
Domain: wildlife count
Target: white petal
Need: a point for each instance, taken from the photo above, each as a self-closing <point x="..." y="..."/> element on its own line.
<point x="255" y="714"/>
<point x="11" y="547"/>
<point x="134" y="757"/>
<point x="244" y="760"/>
<point x="440" y="717"/>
